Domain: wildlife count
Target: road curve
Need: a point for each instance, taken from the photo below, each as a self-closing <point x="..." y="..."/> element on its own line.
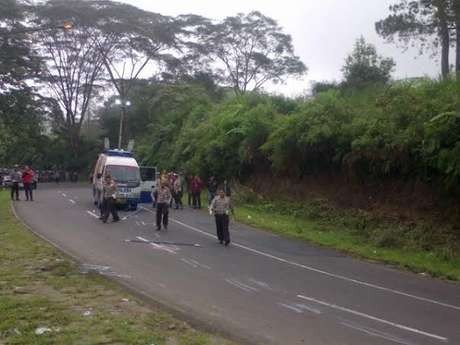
<point x="262" y="289"/>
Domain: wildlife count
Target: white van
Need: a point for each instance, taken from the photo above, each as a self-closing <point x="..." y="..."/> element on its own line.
<point x="125" y="171"/>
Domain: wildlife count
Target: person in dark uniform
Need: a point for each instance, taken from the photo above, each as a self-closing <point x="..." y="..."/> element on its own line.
<point x="212" y="189"/>
<point x="16" y="177"/>
<point x="221" y="207"/>
<point x="109" y="198"/>
<point x="163" y="200"/>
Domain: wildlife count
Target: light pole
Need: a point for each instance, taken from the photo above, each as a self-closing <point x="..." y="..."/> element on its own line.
<point x="123" y="104"/>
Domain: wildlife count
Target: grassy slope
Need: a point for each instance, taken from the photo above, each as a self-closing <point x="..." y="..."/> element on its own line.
<point x="41" y="288"/>
<point x="346" y="233"/>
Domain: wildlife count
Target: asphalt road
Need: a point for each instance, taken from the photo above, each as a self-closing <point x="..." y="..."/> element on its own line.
<point x="262" y="289"/>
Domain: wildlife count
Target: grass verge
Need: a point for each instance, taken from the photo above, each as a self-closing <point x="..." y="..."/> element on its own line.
<point x="421" y="247"/>
<point x="40" y="288"/>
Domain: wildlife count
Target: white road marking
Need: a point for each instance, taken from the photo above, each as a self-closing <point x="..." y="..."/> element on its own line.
<point x="242" y="285"/>
<point x="375" y="333"/>
<point x="259" y="283"/>
<point x="200" y="264"/>
<point x="72" y="201"/>
<point x="157" y="246"/>
<point x="231" y="282"/>
<point x="64" y="195"/>
<point x="373" y="318"/>
<point x="306" y="307"/>
<point x="189" y="263"/>
<point x="333" y="275"/>
<point x="92" y="214"/>
<point x="290" y="307"/>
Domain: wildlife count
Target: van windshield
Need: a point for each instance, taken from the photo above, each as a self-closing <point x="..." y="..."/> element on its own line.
<point x="123" y="173"/>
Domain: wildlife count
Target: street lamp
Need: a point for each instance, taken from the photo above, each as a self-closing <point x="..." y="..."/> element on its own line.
<point x="123" y="104"/>
<point x="66" y="26"/>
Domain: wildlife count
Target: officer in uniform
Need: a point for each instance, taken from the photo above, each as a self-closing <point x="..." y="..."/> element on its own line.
<point x="221" y="207"/>
<point x="109" y="198"/>
<point x="163" y="200"/>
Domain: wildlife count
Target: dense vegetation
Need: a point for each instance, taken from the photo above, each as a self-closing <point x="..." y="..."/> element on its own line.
<point x="204" y="111"/>
<point x="406" y="130"/>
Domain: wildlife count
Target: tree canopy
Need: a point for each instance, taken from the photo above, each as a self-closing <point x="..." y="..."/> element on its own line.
<point x="249" y="51"/>
<point x="364" y="66"/>
<point x="430" y="23"/>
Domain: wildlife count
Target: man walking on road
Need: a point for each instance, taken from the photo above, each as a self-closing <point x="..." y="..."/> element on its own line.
<point x="163" y="201"/>
<point x="16" y="177"/>
<point x="28" y="179"/>
<point x="109" y="197"/>
<point x="221" y="207"/>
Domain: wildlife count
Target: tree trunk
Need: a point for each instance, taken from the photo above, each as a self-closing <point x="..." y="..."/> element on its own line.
<point x="444" y="35"/>
<point x="457" y="62"/>
<point x="457" y="28"/>
<point x="74" y="141"/>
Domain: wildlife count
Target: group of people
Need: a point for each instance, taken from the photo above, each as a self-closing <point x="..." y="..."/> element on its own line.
<point x="26" y="176"/>
<point x="168" y="191"/>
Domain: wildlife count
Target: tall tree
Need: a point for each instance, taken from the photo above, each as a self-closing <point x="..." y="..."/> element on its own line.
<point x="249" y="51"/>
<point x="456" y="12"/>
<point x="364" y="66"/>
<point x="18" y="61"/>
<point x="132" y="39"/>
<point x="73" y="64"/>
<point x="427" y="22"/>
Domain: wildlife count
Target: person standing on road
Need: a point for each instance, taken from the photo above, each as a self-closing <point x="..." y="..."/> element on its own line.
<point x="27" y="180"/>
<point x="177" y="191"/>
<point x="221" y="207"/>
<point x="163" y="201"/>
<point x="189" y="180"/>
<point x="197" y="186"/>
<point x="15" y="177"/>
<point x="109" y="188"/>
<point x="212" y="189"/>
<point x="227" y="188"/>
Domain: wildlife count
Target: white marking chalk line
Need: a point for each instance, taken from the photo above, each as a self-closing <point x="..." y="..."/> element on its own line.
<point x="333" y="275"/>
<point x="92" y="214"/>
<point x="373" y="318"/>
<point x="376" y="333"/>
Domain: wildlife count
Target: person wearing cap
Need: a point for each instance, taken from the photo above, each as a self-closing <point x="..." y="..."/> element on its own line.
<point x="163" y="200"/>
<point x="221" y="207"/>
<point x="109" y="198"/>
<point x="15" y="177"/>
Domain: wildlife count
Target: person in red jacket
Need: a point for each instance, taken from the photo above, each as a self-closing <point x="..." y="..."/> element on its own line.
<point x="28" y="179"/>
<point x="197" y="185"/>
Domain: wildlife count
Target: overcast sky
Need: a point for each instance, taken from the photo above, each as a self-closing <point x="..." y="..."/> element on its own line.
<point x="323" y="32"/>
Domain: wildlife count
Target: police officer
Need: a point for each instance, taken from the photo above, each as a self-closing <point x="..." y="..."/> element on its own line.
<point x="109" y="197"/>
<point x="221" y="207"/>
<point x="163" y="200"/>
<point x="15" y="177"/>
